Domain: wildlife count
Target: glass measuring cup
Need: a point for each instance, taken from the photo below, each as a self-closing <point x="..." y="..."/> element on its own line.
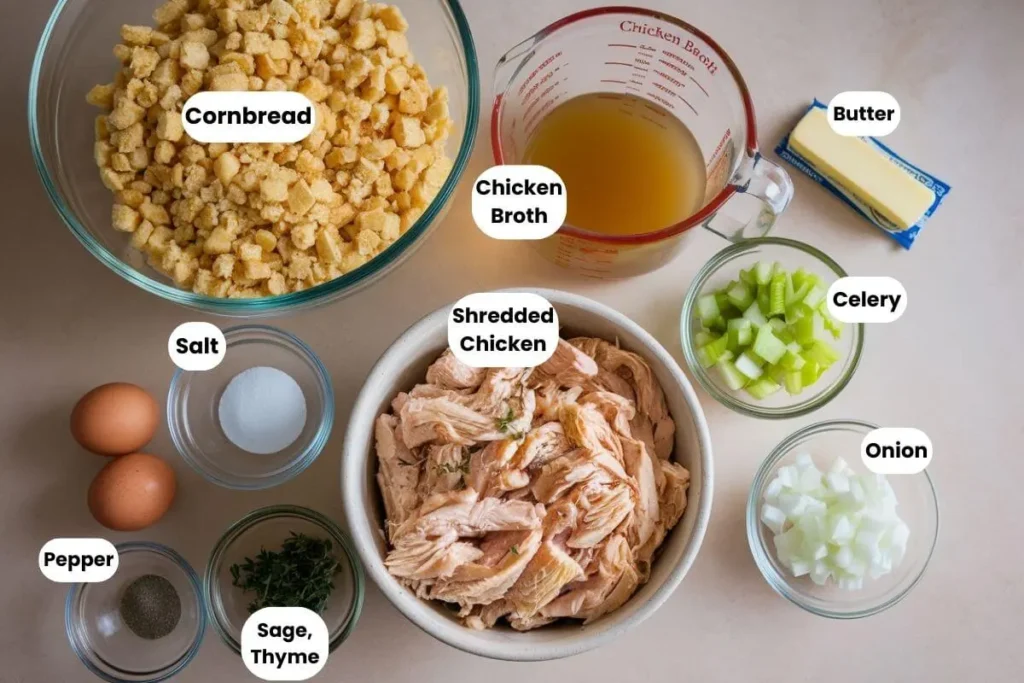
<point x="655" y="57"/>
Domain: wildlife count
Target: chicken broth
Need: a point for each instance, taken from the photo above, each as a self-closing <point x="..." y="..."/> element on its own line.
<point x="629" y="166"/>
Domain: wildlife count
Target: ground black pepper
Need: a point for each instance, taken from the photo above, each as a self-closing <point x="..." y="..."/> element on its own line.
<point x="151" y="607"/>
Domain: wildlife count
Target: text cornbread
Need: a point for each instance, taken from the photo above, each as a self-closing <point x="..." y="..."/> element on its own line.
<point x="251" y="220"/>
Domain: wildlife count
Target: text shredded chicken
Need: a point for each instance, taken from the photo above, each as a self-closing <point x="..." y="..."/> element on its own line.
<point x="530" y="494"/>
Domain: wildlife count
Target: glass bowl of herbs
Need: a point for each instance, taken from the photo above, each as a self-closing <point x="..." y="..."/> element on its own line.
<point x="145" y="623"/>
<point x="283" y="556"/>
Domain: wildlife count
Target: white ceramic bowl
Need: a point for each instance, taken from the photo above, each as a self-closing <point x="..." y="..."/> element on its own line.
<point x="405" y="364"/>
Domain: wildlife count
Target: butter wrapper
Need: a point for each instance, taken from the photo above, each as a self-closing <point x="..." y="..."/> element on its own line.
<point x="905" y="237"/>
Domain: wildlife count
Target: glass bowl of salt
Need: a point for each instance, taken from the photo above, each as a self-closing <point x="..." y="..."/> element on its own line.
<point x="260" y="417"/>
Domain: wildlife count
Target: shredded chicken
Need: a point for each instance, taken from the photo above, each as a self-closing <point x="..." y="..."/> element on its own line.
<point x="530" y="495"/>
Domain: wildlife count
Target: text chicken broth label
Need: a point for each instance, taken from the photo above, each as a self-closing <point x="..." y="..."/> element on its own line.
<point x="519" y="202"/>
<point x="248" y="117"/>
<point x="285" y="643"/>
<point x="503" y="329"/>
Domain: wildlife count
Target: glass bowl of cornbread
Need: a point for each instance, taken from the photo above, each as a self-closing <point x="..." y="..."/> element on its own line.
<point x="261" y="228"/>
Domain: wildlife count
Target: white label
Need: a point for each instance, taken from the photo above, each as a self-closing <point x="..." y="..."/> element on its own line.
<point x="503" y="329"/>
<point x="285" y="643"/>
<point x="78" y="560"/>
<point x="519" y="202"/>
<point x="197" y="346"/>
<point x="259" y="116"/>
<point x="864" y="112"/>
<point x="896" y="450"/>
<point x="866" y="299"/>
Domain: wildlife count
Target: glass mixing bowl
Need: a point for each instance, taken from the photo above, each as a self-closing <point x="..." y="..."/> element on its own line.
<point x="717" y="273"/>
<point x="194" y="398"/>
<point x="75" y="53"/>
<point x="267" y="528"/>
<point x="110" y="650"/>
<point x="917" y="506"/>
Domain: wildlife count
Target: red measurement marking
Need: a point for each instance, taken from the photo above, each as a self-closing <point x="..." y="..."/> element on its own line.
<point x="677" y="58"/>
<point x="670" y="65"/>
<point x="662" y="100"/>
<point x="636" y="82"/>
<point x="618" y="64"/>
<point x="620" y="45"/>
<point x="698" y="85"/>
<point x="612" y="80"/>
<point x="533" y="74"/>
<point x="673" y="81"/>
<point x="540" y="98"/>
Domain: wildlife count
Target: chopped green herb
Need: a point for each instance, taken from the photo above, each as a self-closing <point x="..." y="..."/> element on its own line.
<point x="301" y="574"/>
<point x="514" y="549"/>
<point x="508" y="419"/>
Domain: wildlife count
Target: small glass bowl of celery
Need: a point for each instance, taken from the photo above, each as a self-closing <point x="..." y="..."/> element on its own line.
<point x="757" y="334"/>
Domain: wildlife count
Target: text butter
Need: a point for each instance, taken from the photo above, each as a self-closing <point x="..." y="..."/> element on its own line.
<point x="893" y="194"/>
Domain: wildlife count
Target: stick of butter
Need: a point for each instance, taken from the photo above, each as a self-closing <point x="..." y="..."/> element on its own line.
<point x="879" y="184"/>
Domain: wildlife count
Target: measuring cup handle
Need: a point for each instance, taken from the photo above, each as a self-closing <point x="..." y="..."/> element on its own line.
<point x="767" y="182"/>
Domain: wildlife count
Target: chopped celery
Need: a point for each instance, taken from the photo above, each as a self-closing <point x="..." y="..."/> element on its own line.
<point x="716" y="348"/>
<point x="777" y="295"/>
<point x="800" y="278"/>
<point x="703" y="337"/>
<point x="766" y="330"/>
<point x="740" y="295"/>
<point x="724" y="305"/>
<point x="747" y="366"/>
<point x="792" y="360"/>
<point x="768" y="346"/>
<point x="803" y="330"/>
<point x="810" y="372"/>
<point x="732" y="377"/>
<point x="754" y="315"/>
<point x="822" y="352"/>
<point x="741" y="333"/>
<point x="815" y="296"/>
<point x="763" y="388"/>
<point x="799" y="293"/>
<point x="762" y="272"/>
<point x="764" y="300"/>
<point x="835" y="327"/>
<point x="707" y="309"/>
<point x="794" y="382"/>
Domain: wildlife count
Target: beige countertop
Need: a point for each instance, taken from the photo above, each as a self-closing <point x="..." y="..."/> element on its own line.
<point x="951" y="366"/>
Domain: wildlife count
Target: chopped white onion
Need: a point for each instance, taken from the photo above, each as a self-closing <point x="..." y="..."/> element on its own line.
<point x="836" y="526"/>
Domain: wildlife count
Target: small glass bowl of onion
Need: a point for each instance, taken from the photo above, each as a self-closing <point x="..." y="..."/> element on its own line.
<point x="862" y="587"/>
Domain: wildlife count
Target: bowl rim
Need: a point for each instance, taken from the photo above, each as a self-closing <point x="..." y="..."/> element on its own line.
<point x="268" y="513"/>
<point x="347" y="283"/>
<point x="730" y="400"/>
<point x="363" y="533"/>
<point x="168" y="553"/>
<point x="780" y="584"/>
<point x="239" y="334"/>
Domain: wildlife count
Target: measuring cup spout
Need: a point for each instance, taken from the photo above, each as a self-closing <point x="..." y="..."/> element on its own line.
<point x="771" y="186"/>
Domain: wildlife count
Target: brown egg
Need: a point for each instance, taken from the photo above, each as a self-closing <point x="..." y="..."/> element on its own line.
<point x="132" y="492"/>
<point x="115" y="419"/>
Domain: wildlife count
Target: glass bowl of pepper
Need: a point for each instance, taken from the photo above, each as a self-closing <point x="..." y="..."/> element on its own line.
<point x="145" y="624"/>
<point x="283" y="556"/>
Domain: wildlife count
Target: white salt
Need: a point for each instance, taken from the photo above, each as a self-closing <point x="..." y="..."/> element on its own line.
<point x="262" y="410"/>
